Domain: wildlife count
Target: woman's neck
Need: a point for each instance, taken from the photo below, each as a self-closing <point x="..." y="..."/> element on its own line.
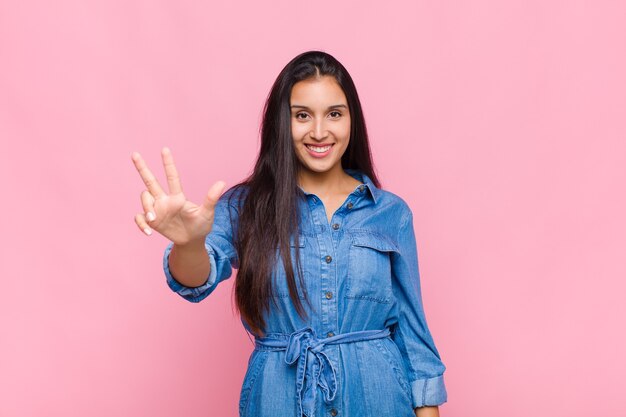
<point x="323" y="184"/>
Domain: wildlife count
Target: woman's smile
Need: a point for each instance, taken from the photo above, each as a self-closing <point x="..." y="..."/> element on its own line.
<point x="318" y="151"/>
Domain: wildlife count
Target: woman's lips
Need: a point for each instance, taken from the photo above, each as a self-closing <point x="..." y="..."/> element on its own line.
<point x="319" y="154"/>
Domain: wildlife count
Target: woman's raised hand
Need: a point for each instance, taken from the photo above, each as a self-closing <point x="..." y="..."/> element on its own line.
<point x="172" y="215"/>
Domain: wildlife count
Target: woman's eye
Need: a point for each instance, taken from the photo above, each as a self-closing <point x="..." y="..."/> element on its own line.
<point x="334" y="115"/>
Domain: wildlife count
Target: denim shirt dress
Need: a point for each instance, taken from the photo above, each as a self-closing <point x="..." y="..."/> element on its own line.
<point x="366" y="349"/>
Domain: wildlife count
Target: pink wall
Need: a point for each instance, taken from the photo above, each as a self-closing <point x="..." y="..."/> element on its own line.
<point x="502" y="123"/>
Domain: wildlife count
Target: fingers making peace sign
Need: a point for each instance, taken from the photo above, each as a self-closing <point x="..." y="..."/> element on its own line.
<point x="172" y="215"/>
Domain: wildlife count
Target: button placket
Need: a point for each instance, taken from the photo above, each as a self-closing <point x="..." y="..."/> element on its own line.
<point x="328" y="236"/>
<point x="321" y="282"/>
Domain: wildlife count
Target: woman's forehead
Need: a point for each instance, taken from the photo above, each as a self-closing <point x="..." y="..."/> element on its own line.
<point x="316" y="92"/>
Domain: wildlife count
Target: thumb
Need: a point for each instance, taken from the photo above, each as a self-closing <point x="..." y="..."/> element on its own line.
<point x="213" y="195"/>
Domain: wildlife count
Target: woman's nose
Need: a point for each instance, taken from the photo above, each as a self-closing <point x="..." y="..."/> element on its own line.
<point x="319" y="131"/>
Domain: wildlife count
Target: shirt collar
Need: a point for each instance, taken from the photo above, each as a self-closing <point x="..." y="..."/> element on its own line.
<point x="361" y="176"/>
<point x="374" y="191"/>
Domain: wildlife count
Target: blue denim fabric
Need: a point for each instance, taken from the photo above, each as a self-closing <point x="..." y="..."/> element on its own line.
<point x="366" y="349"/>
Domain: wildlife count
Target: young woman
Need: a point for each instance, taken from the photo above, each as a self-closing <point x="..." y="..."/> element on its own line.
<point x="327" y="281"/>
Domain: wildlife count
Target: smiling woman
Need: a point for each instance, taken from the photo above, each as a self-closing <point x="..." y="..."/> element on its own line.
<point x="328" y="281"/>
<point x="320" y="129"/>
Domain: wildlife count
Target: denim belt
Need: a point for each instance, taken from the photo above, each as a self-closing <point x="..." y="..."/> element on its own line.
<point x="314" y="367"/>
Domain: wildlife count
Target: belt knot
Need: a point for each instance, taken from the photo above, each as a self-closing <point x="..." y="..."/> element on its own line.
<point x="313" y="367"/>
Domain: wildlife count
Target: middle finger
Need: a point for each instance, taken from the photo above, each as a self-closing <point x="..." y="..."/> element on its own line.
<point x="173" y="180"/>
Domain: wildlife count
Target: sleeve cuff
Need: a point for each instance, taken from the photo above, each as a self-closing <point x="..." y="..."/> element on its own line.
<point x="193" y="294"/>
<point x="429" y="392"/>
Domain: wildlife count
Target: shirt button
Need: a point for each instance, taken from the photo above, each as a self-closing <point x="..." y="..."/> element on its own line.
<point x="328" y="259"/>
<point x="336" y="226"/>
<point x="361" y="188"/>
<point x="350" y="205"/>
<point x="330" y="334"/>
<point x="333" y="412"/>
<point x="329" y="294"/>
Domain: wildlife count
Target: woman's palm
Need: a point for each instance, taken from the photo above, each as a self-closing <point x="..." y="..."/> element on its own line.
<point x="180" y="220"/>
<point x="177" y="218"/>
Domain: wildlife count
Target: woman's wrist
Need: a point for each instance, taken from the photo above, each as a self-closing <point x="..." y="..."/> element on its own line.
<point x="427" y="411"/>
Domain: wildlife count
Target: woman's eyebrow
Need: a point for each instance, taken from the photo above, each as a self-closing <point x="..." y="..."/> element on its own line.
<point x="334" y="106"/>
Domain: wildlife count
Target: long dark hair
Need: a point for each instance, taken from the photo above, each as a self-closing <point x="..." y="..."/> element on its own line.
<point x="269" y="213"/>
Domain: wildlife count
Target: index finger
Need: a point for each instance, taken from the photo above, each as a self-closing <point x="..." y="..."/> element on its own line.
<point x="173" y="180"/>
<point x="146" y="175"/>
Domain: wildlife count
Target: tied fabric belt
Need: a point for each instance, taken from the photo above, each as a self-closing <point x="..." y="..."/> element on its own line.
<point x="314" y="367"/>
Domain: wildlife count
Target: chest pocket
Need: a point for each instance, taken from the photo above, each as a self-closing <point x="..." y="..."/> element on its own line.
<point x="369" y="267"/>
<point x="281" y="290"/>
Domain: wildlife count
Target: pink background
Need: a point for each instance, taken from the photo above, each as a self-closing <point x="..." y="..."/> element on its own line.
<point x="501" y="123"/>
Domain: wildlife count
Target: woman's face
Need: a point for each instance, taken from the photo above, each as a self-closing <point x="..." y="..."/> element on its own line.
<point x="320" y="123"/>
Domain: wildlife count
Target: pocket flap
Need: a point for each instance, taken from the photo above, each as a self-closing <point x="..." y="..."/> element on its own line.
<point x="374" y="240"/>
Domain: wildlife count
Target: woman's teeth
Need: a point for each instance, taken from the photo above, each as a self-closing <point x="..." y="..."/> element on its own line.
<point x="318" y="148"/>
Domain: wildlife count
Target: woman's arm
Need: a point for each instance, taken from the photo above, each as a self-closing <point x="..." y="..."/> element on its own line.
<point x="190" y="264"/>
<point x="194" y="271"/>
<point x="427" y="411"/>
<point x="423" y="363"/>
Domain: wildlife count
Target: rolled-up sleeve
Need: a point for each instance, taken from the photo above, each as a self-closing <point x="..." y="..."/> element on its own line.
<point x="411" y="333"/>
<point x="220" y="248"/>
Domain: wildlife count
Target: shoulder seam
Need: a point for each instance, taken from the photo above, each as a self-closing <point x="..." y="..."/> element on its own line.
<point x="404" y="220"/>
